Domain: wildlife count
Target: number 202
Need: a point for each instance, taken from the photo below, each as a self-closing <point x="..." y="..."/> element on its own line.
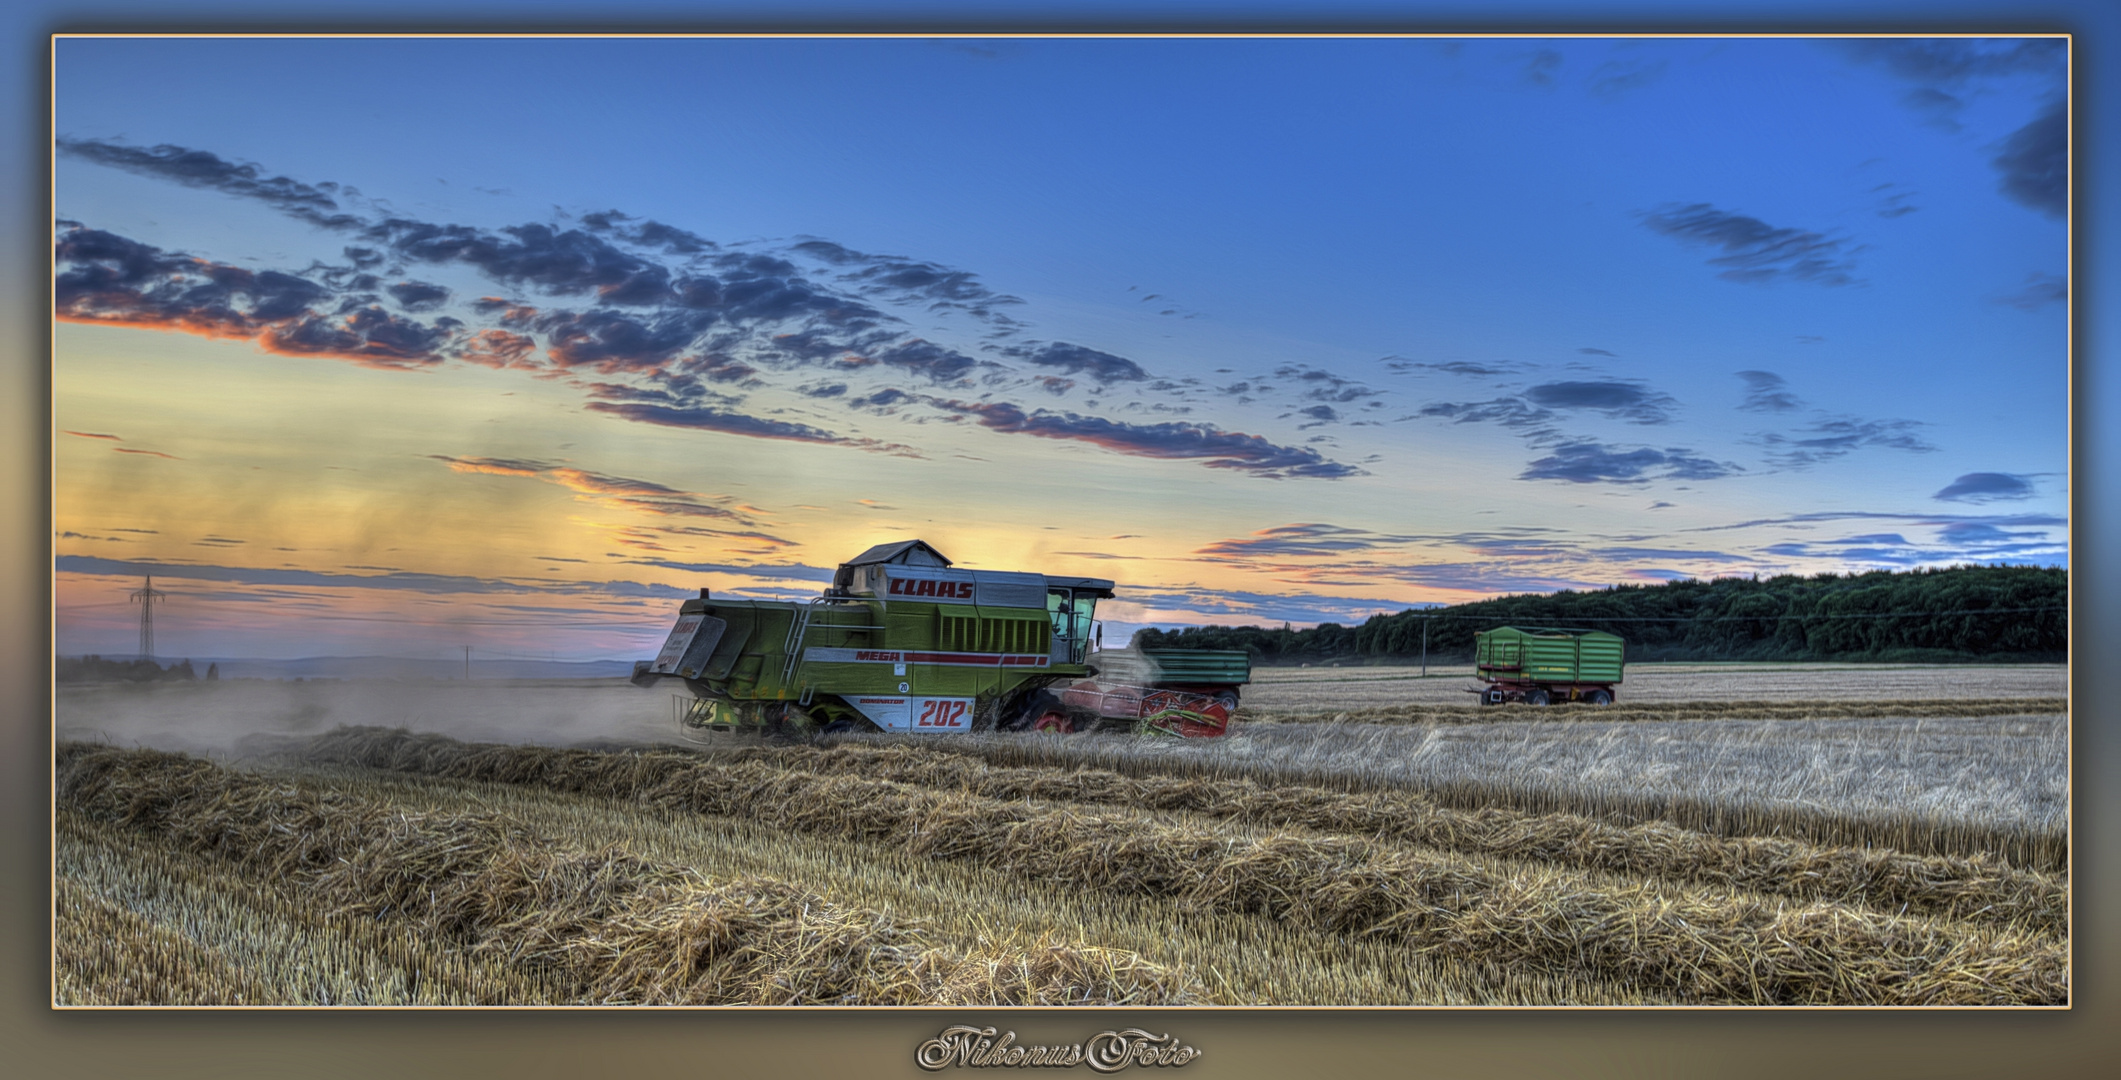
<point x="940" y="714"/>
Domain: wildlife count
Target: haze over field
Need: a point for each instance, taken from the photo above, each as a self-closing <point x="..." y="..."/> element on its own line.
<point x="401" y="361"/>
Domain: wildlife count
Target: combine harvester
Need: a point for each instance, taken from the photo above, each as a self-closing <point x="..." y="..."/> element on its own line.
<point x="902" y="642"/>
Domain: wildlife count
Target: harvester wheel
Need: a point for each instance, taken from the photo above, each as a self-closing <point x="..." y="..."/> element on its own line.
<point x="842" y="727"/>
<point x="1058" y="723"/>
<point x="1599" y="697"/>
<point x="1035" y="707"/>
<point x="1535" y="696"/>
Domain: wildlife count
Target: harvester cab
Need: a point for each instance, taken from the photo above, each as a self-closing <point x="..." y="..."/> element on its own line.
<point x="905" y="641"/>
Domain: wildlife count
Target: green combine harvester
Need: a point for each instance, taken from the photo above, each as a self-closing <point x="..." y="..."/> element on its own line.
<point x="1541" y="666"/>
<point x="904" y="642"/>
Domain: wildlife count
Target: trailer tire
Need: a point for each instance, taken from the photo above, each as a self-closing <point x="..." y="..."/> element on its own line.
<point x="1535" y="696"/>
<point x="1599" y="697"/>
<point x="1494" y="696"/>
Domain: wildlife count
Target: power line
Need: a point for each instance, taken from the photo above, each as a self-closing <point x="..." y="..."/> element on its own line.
<point x="1725" y="618"/>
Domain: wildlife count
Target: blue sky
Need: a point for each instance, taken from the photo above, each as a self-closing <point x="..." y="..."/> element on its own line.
<point x="1266" y="330"/>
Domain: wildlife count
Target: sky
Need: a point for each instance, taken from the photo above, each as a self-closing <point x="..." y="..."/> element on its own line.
<point x="393" y="346"/>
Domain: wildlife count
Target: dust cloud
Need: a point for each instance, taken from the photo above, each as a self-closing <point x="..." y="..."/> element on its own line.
<point x="212" y="718"/>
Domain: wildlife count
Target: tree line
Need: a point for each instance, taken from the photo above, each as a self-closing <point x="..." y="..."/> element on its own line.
<point x="2002" y="613"/>
<point x="80" y="669"/>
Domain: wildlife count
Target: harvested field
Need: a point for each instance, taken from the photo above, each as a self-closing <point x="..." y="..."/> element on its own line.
<point x="607" y="927"/>
<point x="1651" y="713"/>
<point x="1317" y="689"/>
<point x="1997" y="785"/>
<point x="1576" y="920"/>
<point x="1771" y="850"/>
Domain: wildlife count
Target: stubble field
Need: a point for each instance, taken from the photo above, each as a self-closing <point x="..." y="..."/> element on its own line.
<point x="1345" y="846"/>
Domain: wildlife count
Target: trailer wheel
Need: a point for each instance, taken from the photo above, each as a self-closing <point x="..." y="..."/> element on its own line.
<point x="1493" y="696"/>
<point x="1535" y="696"/>
<point x="1599" y="697"/>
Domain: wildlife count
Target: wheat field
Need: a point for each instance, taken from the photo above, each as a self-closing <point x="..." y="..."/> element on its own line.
<point x="1756" y="851"/>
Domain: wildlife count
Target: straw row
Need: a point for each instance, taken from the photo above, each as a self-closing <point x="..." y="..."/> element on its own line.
<point x="1704" y="945"/>
<point x="621" y="929"/>
<point x="268" y="942"/>
<point x="2040" y="846"/>
<point x="1976" y="887"/>
<point x="111" y="956"/>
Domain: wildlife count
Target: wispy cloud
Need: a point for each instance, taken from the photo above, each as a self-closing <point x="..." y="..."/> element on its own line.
<point x="1633" y="402"/>
<point x="601" y="488"/>
<point x="1402" y="365"/>
<point x="1937" y="108"/>
<point x="1212" y="446"/>
<point x="1540" y="68"/>
<point x="2035" y="162"/>
<point x="1588" y="462"/>
<point x="1103" y="367"/>
<point x="903" y="280"/>
<point x="1965" y="542"/>
<point x="1616" y="77"/>
<point x="1754" y="252"/>
<point x="2039" y="291"/>
<point x="1766" y="391"/>
<point x="703" y="419"/>
<point x="315" y="203"/>
<point x="1833" y="437"/>
<point x="1954" y="61"/>
<point x="1984" y="487"/>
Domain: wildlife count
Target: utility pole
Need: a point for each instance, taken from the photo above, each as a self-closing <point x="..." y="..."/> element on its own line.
<point x="1424" y="644"/>
<point x="146" y="597"/>
<point x="467" y="663"/>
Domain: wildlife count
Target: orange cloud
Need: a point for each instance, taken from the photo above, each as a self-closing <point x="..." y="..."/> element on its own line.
<point x="617" y="492"/>
<point x="500" y="349"/>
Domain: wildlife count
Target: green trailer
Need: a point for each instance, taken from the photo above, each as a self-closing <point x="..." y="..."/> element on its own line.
<point x="905" y="641"/>
<point x="1538" y="666"/>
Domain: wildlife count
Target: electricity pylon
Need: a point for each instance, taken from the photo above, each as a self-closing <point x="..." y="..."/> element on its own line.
<point x="146" y="597"/>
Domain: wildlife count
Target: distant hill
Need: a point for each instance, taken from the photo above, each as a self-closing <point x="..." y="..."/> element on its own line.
<point x="1963" y="613"/>
<point x="97" y="669"/>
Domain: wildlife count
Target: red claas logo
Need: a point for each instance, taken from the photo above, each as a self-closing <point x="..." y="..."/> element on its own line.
<point x="954" y="590"/>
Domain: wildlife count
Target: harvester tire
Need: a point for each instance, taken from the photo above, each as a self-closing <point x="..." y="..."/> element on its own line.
<point x="1031" y="709"/>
